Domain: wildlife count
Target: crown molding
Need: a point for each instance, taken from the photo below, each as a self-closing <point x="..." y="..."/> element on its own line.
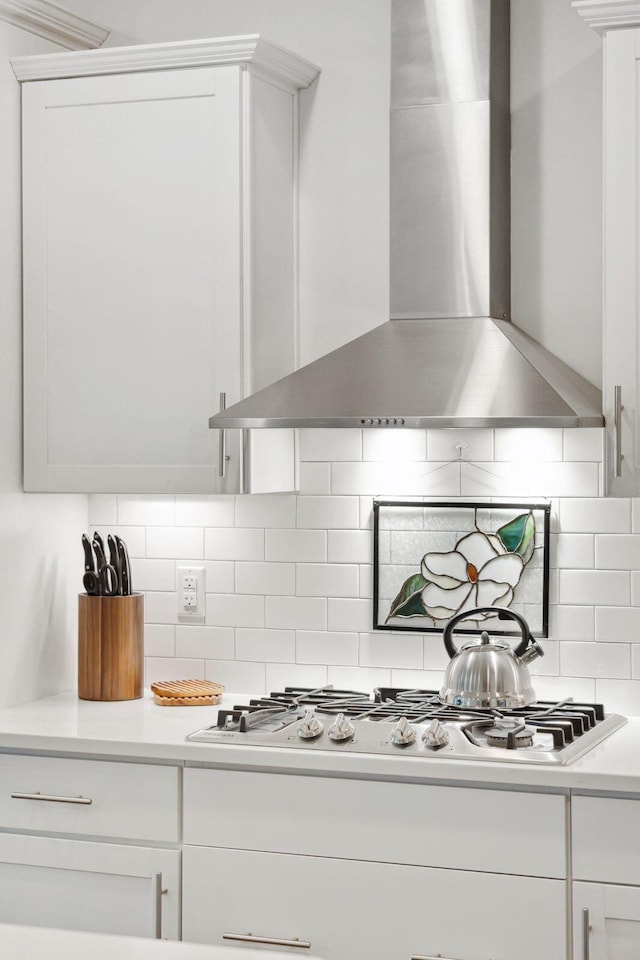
<point x="604" y="15"/>
<point x="266" y="59"/>
<point x="53" y="23"/>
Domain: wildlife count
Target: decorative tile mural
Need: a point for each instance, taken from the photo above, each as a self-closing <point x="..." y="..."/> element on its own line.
<point x="436" y="559"/>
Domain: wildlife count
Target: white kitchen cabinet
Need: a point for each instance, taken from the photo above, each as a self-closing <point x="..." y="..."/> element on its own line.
<point x="352" y="910"/>
<point x="159" y="203"/>
<point x="621" y="250"/>
<point x="606" y="922"/>
<point x="97" y="887"/>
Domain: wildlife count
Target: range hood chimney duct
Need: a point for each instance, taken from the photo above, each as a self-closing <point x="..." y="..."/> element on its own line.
<point x="449" y="357"/>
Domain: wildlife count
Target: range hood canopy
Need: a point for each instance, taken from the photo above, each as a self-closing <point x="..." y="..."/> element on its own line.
<point x="442" y="361"/>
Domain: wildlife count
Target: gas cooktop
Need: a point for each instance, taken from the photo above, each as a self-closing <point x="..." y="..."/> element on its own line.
<point x="412" y="723"/>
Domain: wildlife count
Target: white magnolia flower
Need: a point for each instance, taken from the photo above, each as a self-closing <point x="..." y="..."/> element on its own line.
<point x="478" y="573"/>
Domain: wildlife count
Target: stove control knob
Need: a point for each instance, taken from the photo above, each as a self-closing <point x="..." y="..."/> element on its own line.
<point x="310" y="727"/>
<point x="435" y="736"/>
<point x="403" y="733"/>
<point x="342" y="728"/>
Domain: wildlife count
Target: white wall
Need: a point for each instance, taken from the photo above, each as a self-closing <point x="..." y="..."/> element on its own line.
<point x="40" y="553"/>
<point x="344" y="139"/>
<point x="556" y="127"/>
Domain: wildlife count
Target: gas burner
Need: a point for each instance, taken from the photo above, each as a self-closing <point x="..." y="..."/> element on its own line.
<point x="511" y="733"/>
<point x="411" y="723"/>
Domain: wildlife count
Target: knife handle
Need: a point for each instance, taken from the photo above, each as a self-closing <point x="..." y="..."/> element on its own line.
<point x="125" y="566"/>
<point x="89" y="565"/>
<point x="116" y="562"/>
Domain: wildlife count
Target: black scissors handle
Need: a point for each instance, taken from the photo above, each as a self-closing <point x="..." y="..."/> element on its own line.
<point x="107" y="577"/>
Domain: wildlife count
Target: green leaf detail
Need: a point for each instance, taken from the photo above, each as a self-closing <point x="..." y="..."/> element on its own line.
<point x="518" y="536"/>
<point x="408" y="603"/>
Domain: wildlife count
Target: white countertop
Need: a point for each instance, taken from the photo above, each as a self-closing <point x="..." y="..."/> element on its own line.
<point x="141" y="730"/>
<point x="16" y="940"/>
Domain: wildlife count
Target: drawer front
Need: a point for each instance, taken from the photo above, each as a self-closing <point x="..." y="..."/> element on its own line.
<point x="89" y="797"/>
<point x="606" y="839"/>
<point x="344" y="909"/>
<point x="461" y="828"/>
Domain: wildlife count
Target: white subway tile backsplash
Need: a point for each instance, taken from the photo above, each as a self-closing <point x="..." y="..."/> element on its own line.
<point x="289" y="578"/>
<point x="148" y="511"/>
<point x="205" y="511"/>
<point x="350" y="546"/>
<point x="609" y="515"/>
<point x="103" y="509"/>
<point x="391" y="650"/>
<point x="587" y="443"/>
<point x="314" y="477"/>
<point x="266" y="510"/>
<point x="397" y="445"/>
<point x="327" y="513"/>
<point x="266" y="578"/>
<point x="617" y="624"/>
<point x="394" y="479"/>
<point x="349" y="614"/>
<point x="159" y="640"/>
<point x="280" y="675"/>
<point x="621" y="696"/>
<point x="596" y="660"/>
<point x="234" y="610"/>
<point x="206" y="643"/>
<point x="236" y="676"/>
<point x="445" y="445"/>
<point x="303" y="546"/>
<point x="291" y="613"/>
<point x="597" y="587"/>
<point x="265" y="645"/>
<point x="172" y="668"/>
<point x="234" y="544"/>
<point x="320" y="646"/>
<point x="175" y="542"/>
<point x="330" y="445"/>
<point x="327" y="580"/>
<point x="160" y="607"/>
<point x="524" y="446"/>
<point x="153" y="574"/>
<point x="529" y="479"/>
<point x="617" y="551"/>
<point x="567" y="622"/>
<point x="574" y="550"/>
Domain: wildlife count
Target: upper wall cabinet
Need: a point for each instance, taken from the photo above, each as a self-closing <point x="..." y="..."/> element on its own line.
<point x="619" y="23"/>
<point x="159" y="262"/>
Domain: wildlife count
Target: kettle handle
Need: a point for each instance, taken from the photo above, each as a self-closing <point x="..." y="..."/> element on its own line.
<point x="503" y="613"/>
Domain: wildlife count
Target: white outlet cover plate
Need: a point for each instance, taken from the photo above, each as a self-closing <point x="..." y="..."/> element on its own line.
<point x="192" y="614"/>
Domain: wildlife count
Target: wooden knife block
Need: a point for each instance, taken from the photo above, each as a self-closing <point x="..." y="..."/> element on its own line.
<point x="110" y="647"/>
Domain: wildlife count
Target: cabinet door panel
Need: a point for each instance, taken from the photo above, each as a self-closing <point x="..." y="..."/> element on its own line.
<point x="73" y="884"/>
<point x="350" y="909"/>
<point x="132" y="199"/>
<point x="613" y="915"/>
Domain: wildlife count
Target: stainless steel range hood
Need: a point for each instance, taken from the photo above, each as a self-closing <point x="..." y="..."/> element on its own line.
<point x="450" y="357"/>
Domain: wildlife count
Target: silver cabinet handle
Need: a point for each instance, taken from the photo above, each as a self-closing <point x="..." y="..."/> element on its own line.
<point x="50" y="798"/>
<point x="274" y="941"/>
<point x="586" y="929"/>
<point x="438" y="956"/>
<point x="617" y="430"/>
<point x="222" y="448"/>
<point x="158" y="891"/>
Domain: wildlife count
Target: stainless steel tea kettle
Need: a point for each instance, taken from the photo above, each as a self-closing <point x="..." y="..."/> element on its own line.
<point x="489" y="673"/>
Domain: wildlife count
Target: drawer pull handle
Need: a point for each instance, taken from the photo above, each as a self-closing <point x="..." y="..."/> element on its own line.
<point x="274" y="941"/>
<point x="617" y="431"/>
<point x="50" y="798"/>
<point x="438" y="956"/>
<point x="586" y="929"/>
<point x="158" y="891"/>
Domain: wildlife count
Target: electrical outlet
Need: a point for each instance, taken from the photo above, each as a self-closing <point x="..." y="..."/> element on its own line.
<point x="190" y="582"/>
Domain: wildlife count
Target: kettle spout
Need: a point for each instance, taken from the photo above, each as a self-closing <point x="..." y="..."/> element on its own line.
<point x="533" y="650"/>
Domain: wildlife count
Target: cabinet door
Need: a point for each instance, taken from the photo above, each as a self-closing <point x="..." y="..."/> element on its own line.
<point x="346" y="910"/>
<point x="606" y="922"/>
<point x="620" y="260"/>
<point x="132" y="279"/>
<point x="96" y="887"/>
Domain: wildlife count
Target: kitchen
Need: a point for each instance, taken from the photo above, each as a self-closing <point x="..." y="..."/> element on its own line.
<point x="259" y="633"/>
